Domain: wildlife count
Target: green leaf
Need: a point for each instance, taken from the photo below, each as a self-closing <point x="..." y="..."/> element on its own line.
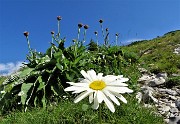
<point x="41" y="83"/>
<point x="44" y="99"/>
<point x="60" y="67"/>
<point x="52" y="88"/>
<point x="85" y="107"/>
<point x="25" y="88"/>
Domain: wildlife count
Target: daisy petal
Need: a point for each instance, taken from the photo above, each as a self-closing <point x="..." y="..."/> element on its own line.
<point x="119" y="89"/>
<point x="123" y="79"/>
<point x="96" y="104"/>
<point x="79" y="90"/>
<point x="85" y="81"/>
<point x="92" y="74"/>
<point x="78" y="84"/>
<point x="109" y="78"/>
<point x="120" y="97"/>
<point x="117" y="83"/>
<point x="85" y="75"/>
<point x="109" y="104"/>
<point x="99" y="76"/>
<point x="111" y="96"/>
<point x="100" y="96"/>
<point x="91" y="97"/>
<point x="81" y="96"/>
<point x="71" y="88"/>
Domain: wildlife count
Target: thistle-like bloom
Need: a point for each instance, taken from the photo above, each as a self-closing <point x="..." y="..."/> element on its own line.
<point x="86" y="26"/>
<point x="80" y="25"/>
<point x="107" y="29"/>
<point x="95" y="32"/>
<point x="100" y="21"/>
<point x="59" y="18"/>
<point x="108" y="89"/>
<point x="52" y="32"/>
<point x="26" y="33"/>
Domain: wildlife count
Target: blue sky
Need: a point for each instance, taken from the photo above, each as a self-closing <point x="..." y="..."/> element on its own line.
<point x="133" y="19"/>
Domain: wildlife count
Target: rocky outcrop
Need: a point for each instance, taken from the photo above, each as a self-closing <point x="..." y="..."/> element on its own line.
<point x="177" y="50"/>
<point x="154" y="92"/>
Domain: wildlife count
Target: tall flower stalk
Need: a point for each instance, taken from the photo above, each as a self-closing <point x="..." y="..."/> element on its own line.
<point x="117" y="37"/>
<point x="85" y="29"/>
<point x="59" y="18"/>
<point x="79" y="30"/>
<point x="101" y="21"/>
<point x="52" y="33"/>
<point x="96" y="33"/>
<point x="26" y="34"/>
<point x="106" y="39"/>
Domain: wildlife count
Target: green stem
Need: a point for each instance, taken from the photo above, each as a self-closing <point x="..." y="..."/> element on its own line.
<point x="100" y="114"/>
<point x="29" y="47"/>
<point x="84" y="36"/>
<point x="78" y="34"/>
<point x="58" y="29"/>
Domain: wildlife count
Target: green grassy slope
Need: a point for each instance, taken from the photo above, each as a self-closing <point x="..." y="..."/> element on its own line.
<point x="157" y="54"/>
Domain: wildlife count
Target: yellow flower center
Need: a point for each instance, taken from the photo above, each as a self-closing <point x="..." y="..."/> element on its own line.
<point x="97" y="85"/>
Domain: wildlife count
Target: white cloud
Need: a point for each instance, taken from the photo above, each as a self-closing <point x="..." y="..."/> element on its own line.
<point x="132" y="40"/>
<point x="9" y="68"/>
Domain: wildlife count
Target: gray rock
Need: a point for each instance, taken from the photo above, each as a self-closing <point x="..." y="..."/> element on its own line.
<point x="166" y="108"/>
<point x="178" y="103"/>
<point x="174" y="120"/>
<point x="164" y="75"/>
<point x="157" y="81"/>
<point x="172" y="97"/>
<point x="178" y="91"/>
<point x="174" y="110"/>
<point x="177" y="50"/>
<point x="171" y="92"/>
<point x="144" y="78"/>
<point x="142" y="70"/>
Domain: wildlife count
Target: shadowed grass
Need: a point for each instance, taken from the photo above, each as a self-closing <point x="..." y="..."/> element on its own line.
<point x="67" y="112"/>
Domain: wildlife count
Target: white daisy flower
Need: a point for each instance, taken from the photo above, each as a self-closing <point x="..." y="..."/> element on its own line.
<point x="108" y="88"/>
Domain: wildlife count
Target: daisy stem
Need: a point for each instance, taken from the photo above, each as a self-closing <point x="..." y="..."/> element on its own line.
<point x="100" y="113"/>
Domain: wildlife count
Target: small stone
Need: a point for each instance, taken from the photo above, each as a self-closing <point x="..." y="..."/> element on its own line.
<point x="178" y="91"/>
<point x="147" y="105"/>
<point x="172" y="97"/>
<point x="171" y="115"/>
<point x="178" y="103"/>
<point x="157" y="82"/>
<point x="166" y="120"/>
<point x="142" y="70"/>
<point x="172" y="105"/>
<point x="171" y="92"/>
<point x="174" y="120"/>
<point x="166" y="108"/>
<point x="139" y="97"/>
<point x="164" y="75"/>
<point x="174" y="110"/>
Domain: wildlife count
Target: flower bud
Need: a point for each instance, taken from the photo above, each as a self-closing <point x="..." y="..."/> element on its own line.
<point x="117" y="34"/>
<point x="26" y="33"/>
<point x="80" y="25"/>
<point x="52" y="32"/>
<point x="86" y="26"/>
<point x="107" y="29"/>
<point x="59" y="18"/>
<point x="101" y="21"/>
<point x="74" y="40"/>
<point x="95" y="32"/>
